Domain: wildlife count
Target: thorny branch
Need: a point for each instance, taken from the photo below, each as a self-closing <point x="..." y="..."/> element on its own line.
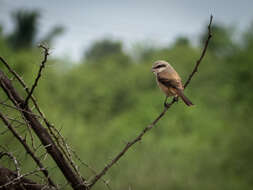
<point x="14" y="159"/>
<point x="19" y="109"/>
<point x="76" y="181"/>
<point x="7" y="176"/>
<point x="27" y="148"/>
<point x="42" y="65"/>
<point x="18" y="178"/>
<point x="139" y="137"/>
<point x="57" y="137"/>
<point x="106" y="182"/>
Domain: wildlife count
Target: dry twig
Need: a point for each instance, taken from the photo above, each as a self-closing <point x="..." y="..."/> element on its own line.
<point x="202" y="54"/>
<point x="18" y="178"/>
<point x="27" y="148"/>
<point x="139" y="137"/>
<point x="7" y="175"/>
<point x="42" y="65"/>
<point x="42" y="133"/>
<point x="14" y="159"/>
<point x="51" y="128"/>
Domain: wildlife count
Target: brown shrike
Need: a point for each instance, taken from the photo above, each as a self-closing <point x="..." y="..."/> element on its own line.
<point x="169" y="81"/>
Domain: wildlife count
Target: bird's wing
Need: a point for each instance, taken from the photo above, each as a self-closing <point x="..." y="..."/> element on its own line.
<point x="169" y="82"/>
<point x="176" y="84"/>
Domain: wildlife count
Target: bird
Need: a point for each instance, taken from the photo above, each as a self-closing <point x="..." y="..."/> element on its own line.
<point x="169" y="81"/>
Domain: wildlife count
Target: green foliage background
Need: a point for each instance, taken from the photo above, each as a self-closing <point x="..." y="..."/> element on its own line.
<point x="109" y="97"/>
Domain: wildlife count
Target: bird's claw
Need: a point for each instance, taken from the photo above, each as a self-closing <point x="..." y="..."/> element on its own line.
<point x="176" y="99"/>
<point x="166" y="105"/>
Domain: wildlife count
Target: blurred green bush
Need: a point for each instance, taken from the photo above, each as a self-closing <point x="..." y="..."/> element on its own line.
<point x="110" y="97"/>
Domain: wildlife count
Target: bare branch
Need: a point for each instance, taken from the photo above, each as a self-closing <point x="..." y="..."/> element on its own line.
<point x="106" y="182"/>
<point x="22" y="82"/>
<point x="19" y="109"/>
<point x="14" y="73"/>
<point x="14" y="159"/>
<point x="15" y="120"/>
<point x="27" y="148"/>
<point x="131" y="143"/>
<point x="42" y="133"/>
<point x="30" y="132"/>
<point x="24" y="183"/>
<point x="50" y="126"/>
<point x="202" y="54"/>
<point x="139" y="137"/>
<point x="42" y="65"/>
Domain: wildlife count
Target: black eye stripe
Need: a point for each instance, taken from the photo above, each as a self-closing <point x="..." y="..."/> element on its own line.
<point x="159" y="66"/>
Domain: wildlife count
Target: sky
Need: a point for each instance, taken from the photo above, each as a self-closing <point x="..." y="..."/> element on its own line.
<point x="151" y="22"/>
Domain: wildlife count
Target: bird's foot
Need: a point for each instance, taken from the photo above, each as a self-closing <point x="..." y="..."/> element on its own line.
<point x="166" y="105"/>
<point x="175" y="99"/>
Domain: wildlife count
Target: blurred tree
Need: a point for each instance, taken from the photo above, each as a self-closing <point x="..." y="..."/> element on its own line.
<point x="241" y="68"/>
<point x="1" y="30"/>
<point x="222" y="41"/>
<point x="56" y="31"/>
<point x="26" y="30"/>
<point x="182" y="41"/>
<point x="106" y="48"/>
<point x="248" y="37"/>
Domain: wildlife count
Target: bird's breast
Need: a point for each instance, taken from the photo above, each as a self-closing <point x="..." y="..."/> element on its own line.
<point x="168" y="91"/>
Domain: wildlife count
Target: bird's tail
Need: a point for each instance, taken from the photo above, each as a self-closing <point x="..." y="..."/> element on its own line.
<point x="184" y="98"/>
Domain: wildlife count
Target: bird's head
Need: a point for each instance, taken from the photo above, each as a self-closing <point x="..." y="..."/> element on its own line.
<point x="160" y="66"/>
